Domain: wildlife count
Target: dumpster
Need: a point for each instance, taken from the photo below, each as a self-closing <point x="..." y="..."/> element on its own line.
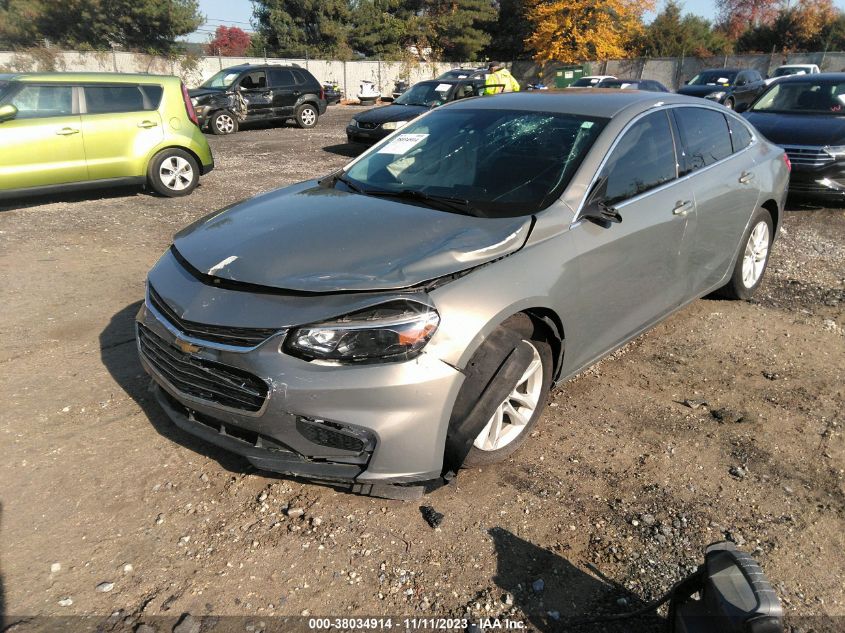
<point x="566" y="75"/>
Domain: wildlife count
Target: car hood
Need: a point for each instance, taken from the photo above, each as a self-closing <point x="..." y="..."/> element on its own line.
<point x="308" y="238"/>
<point x="202" y="92"/>
<point x="701" y="91"/>
<point x="799" y="129"/>
<point x="392" y="112"/>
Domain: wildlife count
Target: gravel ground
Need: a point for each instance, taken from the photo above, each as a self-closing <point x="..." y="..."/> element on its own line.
<point x="725" y="421"/>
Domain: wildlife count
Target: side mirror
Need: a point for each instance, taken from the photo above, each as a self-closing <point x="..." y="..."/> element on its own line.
<point x="8" y="112"/>
<point x="740" y="107"/>
<point x="686" y="82"/>
<point x="733" y="596"/>
<point x="740" y="82"/>
<point x="596" y="210"/>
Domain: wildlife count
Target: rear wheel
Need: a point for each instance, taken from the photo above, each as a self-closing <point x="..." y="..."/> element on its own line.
<point x="223" y="122"/>
<point x="306" y="116"/>
<point x="173" y="173"/>
<point x="753" y="258"/>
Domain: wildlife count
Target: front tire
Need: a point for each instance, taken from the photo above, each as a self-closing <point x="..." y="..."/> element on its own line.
<point x="173" y="173"/>
<point x="753" y="257"/>
<point x="223" y="122"/>
<point x="306" y="116"/>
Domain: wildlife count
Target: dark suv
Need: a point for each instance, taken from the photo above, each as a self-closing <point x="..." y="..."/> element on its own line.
<point x="251" y="92"/>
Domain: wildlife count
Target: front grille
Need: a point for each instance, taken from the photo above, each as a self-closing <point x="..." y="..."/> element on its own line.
<point x="321" y="433"/>
<point x="367" y="126"/>
<point x="236" y="336"/>
<point x="807" y="156"/>
<point x="202" y="379"/>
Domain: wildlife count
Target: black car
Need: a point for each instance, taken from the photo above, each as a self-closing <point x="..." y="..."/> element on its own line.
<point x="649" y="85"/>
<point x="464" y="73"/>
<point x="729" y="86"/>
<point x="373" y="125"/>
<point x="805" y="114"/>
<point x="251" y="92"/>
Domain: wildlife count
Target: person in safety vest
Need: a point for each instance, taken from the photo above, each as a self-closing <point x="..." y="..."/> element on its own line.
<point x="498" y="76"/>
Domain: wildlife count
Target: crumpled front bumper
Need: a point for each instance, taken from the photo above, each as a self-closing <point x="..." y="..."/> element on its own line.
<point x="399" y="411"/>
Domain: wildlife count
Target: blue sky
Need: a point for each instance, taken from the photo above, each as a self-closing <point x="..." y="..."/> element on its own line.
<point x="239" y="12"/>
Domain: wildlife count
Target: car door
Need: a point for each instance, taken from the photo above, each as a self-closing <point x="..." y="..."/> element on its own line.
<point x="723" y="187"/>
<point x="121" y="127"/>
<point x="756" y="85"/>
<point x="632" y="273"/>
<point x="285" y="91"/>
<point x="256" y="94"/>
<point x="43" y="144"/>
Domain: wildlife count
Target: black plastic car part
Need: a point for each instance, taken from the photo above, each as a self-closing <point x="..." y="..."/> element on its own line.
<point x="734" y="597"/>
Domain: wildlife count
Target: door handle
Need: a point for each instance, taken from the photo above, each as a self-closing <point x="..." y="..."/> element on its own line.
<point x="67" y="131"/>
<point x="682" y="207"/>
<point x="147" y="124"/>
<point x="746" y="177"/>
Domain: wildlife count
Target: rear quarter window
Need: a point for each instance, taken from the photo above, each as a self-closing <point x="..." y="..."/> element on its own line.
<point x="740" y="134"/>
<point x="123" y="98"/>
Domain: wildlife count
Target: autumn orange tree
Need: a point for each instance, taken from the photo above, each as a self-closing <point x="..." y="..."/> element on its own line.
<point x="574" y="30"/>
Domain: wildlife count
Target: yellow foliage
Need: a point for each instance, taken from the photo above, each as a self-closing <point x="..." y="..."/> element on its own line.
<point x="576" y="30"/>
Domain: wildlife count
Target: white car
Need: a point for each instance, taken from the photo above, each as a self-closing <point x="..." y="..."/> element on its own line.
<point x="792" y="69"/>
<point x="590" y="81"/>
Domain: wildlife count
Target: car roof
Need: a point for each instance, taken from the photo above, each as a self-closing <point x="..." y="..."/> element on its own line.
<point x="626" y="80"/>
<point x="241" y="67"/>
<point x="724" y="70"/>
<point x="795" y="66"/>
<point x="114" y="78"/>
<point x="447" y="81"/>
<point x="813" y="78"/>
<point x="589" y="102"/>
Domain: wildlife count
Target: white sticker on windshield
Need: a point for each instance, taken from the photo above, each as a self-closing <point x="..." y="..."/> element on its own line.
<point x="443" y="87"/>
<point x="403" y="143"/>
<point x="586" y="125"/>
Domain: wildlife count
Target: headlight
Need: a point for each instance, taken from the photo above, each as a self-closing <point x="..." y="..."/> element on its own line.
<point x="393" y="125"/>
<point x="716" y="96"/>
<point x="354" y="123"/>
<point x="397" y="330"/>
<point x="836" y="151"/>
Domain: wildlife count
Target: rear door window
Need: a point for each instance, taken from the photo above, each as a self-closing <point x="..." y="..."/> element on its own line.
<point x="123" y="98"/>
<point x="643" y="159"/>
<point x="705" y="137"/>
<point x="281" y="77"/>
<point x="33" y="101"/>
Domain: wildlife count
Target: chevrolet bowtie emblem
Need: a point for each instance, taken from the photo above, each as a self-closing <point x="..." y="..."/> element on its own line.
<point x="188" y="348"/>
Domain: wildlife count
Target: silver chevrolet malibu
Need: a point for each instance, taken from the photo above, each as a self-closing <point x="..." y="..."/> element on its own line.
<point x="408" y="315"/>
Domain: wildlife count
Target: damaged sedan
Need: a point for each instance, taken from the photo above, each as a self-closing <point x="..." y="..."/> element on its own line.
<point x="406" y="316"/>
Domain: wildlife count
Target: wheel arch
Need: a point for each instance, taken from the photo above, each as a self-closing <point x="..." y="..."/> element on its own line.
<point x="772" y="207"/>
<point x="187" y="150"/>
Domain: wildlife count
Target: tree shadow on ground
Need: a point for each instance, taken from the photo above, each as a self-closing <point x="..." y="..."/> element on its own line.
<point x="350" y="150"/>
<point x="569" y="596"/>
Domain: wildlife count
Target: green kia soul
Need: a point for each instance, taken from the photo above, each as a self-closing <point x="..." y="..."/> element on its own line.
<point x="64" y="131"/>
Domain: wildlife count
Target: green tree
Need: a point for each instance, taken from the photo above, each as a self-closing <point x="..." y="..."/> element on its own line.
<point x="809" y="25"/>
<point x="458" y="31"/>
<point x="510" y="31"/>
<point x="384" y="28"/>
<point x="672" y="35"/>
<point x="293" y="28"/>
<point x="147" y="25"/>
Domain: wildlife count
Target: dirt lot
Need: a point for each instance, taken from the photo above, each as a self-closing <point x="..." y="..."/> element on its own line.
<point x="609" y="505"/>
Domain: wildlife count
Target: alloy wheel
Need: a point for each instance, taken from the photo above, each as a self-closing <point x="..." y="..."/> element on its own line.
<point x="176" y="173"/>
<point x="756" y="254"/>
<point x="225" y="124"/>
<point x="308" y="117"/>
<point x="512" y="416"/>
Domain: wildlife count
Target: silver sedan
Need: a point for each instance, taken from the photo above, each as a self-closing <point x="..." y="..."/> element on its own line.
<point x="390" y="323"/>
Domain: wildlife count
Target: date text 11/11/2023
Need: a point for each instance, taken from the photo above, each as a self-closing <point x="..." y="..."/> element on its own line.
<point x="415" y="624"/>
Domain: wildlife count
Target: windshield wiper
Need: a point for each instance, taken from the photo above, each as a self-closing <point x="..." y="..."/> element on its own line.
<point x="461" y="205"/>
<point x="340" y="176"/>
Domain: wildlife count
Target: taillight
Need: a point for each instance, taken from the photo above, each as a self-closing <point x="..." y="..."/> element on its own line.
<point x="189" y="107"/>
<point x="322" y="93"/>
<point x="787" y="162"/>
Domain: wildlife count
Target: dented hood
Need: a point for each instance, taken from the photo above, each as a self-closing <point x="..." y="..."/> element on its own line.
<point x="307" y="238"/>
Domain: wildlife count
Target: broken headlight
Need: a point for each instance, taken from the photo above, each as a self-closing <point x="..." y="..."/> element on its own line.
<point x="397" y="330"/>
